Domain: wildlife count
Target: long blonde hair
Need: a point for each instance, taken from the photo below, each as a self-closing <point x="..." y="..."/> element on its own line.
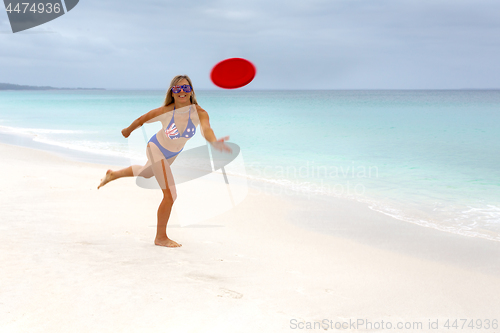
<point x="169" y="99"/>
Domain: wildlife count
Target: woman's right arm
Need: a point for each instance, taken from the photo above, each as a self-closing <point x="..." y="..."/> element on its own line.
<point x="147" y="117"/>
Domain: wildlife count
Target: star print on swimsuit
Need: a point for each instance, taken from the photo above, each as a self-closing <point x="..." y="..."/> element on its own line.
<point x="171" y="131"/>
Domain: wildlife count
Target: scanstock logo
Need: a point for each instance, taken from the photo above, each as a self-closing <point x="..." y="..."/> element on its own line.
<point x="25" y="15"/>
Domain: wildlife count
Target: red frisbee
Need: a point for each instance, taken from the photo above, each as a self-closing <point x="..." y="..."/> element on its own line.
<point x="233" y="73"/>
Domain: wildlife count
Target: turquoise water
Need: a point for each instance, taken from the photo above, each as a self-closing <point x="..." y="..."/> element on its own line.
<point x="426" y="157"/>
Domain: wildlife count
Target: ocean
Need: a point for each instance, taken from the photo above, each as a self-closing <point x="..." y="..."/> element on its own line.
<point x="426" y="157"/>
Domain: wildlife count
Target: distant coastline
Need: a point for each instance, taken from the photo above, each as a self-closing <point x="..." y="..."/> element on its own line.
<point x="9" y="86"/>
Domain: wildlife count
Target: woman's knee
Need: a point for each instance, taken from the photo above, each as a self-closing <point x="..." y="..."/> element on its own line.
<point x="167" y="203"/>
<point x="167" y="197"/>
<point x="142" y="171"/>
<point x="147" y="175"/>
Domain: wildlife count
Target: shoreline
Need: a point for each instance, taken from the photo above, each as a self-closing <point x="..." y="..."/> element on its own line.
<point x="72" y="252"/>
<point x="317" y="208"/>
<point x="416" y="184"/>
<point x="27" y="141"/>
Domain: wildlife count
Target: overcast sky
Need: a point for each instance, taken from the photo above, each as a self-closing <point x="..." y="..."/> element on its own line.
<point x="311" y="44"/>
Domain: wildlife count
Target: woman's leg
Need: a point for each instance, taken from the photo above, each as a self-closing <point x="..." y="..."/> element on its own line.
<point x="162" y="173"/>
<point x="126" y="172"/>
<point x="163" y="216"/>
<point x="160" y="168"/>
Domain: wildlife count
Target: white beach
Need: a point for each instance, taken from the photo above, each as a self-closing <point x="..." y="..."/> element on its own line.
<point x="78" y="259"/>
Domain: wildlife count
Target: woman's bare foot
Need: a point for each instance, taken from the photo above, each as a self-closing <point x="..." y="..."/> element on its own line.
<point x="165" y="241"/>
<point x="106" y="179"/>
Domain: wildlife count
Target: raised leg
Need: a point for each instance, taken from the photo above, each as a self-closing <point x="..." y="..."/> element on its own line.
<point x="112" y="175"/>
<point x="142" y="171"/>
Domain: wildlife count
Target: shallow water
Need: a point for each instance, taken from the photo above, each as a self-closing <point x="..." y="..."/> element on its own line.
<point x="426" y="157"/>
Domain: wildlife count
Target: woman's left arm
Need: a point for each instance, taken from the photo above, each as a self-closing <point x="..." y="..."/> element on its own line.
<point x="208" y="133"/>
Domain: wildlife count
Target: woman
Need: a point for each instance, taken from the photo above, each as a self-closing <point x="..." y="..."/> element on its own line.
<point x="179" y="115"/>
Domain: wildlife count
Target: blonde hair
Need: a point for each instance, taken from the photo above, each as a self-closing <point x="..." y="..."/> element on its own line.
<point x="169" y="99"/>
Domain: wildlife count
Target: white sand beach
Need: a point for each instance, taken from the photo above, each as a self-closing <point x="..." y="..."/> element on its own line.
<point x="77" y="259"/>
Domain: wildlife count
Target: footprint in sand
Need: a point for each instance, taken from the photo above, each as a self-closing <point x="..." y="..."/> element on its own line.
<point x="229" y="293"/>
<point x="331" y="292"/>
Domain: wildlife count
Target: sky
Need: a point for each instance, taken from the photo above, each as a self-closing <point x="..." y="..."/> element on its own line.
<point x="313" y="44"/>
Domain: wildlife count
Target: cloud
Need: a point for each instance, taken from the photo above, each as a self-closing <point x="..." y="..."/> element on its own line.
<point x="330" y="44"/>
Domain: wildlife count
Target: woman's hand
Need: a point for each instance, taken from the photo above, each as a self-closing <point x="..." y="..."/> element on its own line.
<point x="221" y="146"/>
<point x="126" y="132"/>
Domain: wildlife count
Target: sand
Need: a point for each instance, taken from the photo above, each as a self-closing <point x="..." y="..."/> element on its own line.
<point x="77" y="259"/>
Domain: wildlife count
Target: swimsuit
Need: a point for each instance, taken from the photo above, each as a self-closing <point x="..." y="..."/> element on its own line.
<point x="167" y="153"/>
<point x="171" y="130"/>
<point x="173" y="134"/>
